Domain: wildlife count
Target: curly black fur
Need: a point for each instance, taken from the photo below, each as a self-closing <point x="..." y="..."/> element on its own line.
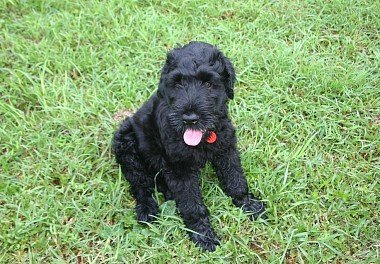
<point x="198" y="79"/>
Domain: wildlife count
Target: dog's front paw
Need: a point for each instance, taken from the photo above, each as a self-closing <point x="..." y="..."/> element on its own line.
<point x="207" y="241"/>
<point x="252" y="206"/>
<point x="147" y="212"/>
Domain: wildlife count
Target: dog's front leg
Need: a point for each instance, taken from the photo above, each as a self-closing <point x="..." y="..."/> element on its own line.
<point x="232" y="179"/>
<point x="186" y="192"/>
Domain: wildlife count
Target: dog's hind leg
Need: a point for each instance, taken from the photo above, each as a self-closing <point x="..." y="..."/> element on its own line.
<point x="132" y="166"/>
<point x="232" y="179"/>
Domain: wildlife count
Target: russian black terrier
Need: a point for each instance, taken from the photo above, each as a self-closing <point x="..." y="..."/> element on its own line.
<point x="171" y="137"/>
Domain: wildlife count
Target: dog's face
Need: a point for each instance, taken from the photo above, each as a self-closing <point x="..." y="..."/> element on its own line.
<point x="195" y="84"/>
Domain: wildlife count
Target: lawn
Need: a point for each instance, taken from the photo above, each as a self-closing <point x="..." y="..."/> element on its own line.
<point x="306" y="108"/>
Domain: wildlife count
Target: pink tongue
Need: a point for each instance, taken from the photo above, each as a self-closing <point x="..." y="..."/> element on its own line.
<point x="192" y="137"/>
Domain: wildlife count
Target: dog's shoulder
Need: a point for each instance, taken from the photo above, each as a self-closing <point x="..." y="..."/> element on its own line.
<point x="226" y="136"/>
<point x="141" y="125"/>
<point x="146" y="111"/>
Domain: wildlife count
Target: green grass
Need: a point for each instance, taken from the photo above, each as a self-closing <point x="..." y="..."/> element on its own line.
<point x="307" y="112"/>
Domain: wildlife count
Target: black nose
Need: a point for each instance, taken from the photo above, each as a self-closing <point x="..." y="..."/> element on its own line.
<point x="190" y="118"/>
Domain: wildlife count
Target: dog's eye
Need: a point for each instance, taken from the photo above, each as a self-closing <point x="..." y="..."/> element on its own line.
<point x="208" y="84"/>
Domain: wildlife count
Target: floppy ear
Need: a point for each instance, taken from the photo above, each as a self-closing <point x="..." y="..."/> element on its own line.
<point x="165" y="70"/>
<point x="229" y="77"/>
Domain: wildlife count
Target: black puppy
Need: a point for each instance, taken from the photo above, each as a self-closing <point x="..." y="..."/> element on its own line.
<point x="173" y="135"/>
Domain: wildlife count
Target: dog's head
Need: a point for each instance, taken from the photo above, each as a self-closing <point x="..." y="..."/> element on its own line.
<point x="196" y="82"/>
